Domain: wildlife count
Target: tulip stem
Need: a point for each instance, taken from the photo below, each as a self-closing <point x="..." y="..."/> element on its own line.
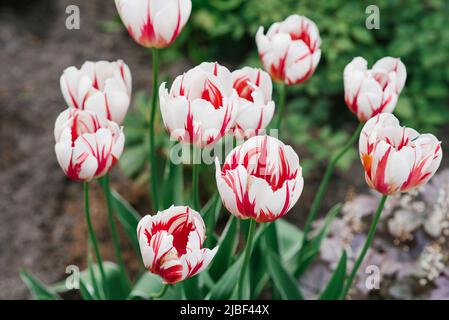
<point x="366" y="246"/>
<point x="115" y="239"/>
<point x="152" y="155"/>
<point x="247" y="254"/>
<point x="325" y="182"/>
<point x="161" y="293"/>
<point x="282" y="92"/>
<point x="92" y="236"/>
<point x="195" y="179"/>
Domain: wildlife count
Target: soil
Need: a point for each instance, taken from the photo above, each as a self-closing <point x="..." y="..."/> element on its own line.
<point x="42" y="227"/>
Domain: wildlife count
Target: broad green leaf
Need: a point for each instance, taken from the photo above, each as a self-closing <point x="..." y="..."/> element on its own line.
<point x="211" y="212"/>
<point x="128" y="217"/>
<point x="224" y="287"/>
<point x="311" y="249"/>
<point x="38" y="290"/>
<point x="192" y="288"/>
<point x="335" y="285"/>
<point x="290" y="238"/>
<point x="226" y="247"/>
<point x="286" y="285"/>
<point x="149" y="284"/>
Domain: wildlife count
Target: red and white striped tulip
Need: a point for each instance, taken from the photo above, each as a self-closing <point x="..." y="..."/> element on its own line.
<point x="370" y="92"/>
<point x="87" y="145"/>
<point x="256" y="108"/>
<point x="260" y="179"/>
<point x="171" y="244"/>
<point x="201" y="105"/>
<point x="102" y="87"/>
<point x="154" y="23"/>
<point x="397" y="159"/>
<point x="290" y="51"/>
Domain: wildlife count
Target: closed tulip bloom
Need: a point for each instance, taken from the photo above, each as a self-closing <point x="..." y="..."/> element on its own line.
<point x="87" y="145"/>
<point x="260" y="179"/>
<point x="370" y="92"/>
<point x="397" y="159"/>
<point x="255" y="107"/>
<point x="102" y="87"/>
<point x="154" y="23"/>
<point x="290" y="51"/>
<point x="171" y="244"/>
<point x="201" y="105"/>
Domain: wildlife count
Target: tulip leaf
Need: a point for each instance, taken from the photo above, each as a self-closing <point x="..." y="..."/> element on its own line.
<point x="211" y="212"/>
<point x="128" y="217"/>
<point x="173" y="185"/>
<point x="86" y="293"/>
<point x="224" y="287"/>
<point x="226" y="247"/>
<point x="38" y="290"/>
<point x="149" y="284"/>
<point x="312" y="247"/>
<point x="334" y="287"/>
<point x="286" y="285"/>
<point x="133" y="159"/>
<point x="290" y="239"/>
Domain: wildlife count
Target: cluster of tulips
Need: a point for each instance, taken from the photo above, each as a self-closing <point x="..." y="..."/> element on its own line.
<point x="261" y="178"/>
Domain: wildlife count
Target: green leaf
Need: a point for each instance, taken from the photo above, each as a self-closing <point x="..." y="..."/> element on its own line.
<point x="335" y="285"/>
<point x="226" y="247"/>
<point x="38" y="290"/>
<point x="86" y="293"/>
<point x="128" y="217"/>
<point x="311" y="249"/>
<point x="224" y="287"/>
<point x="133" y="160"/>
<point x="173" y="185"/>
<point x="290" y="238"/>
<point x="149" y="284"/>
<point x="286" y="285"/>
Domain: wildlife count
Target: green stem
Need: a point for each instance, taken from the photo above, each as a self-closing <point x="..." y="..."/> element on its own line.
<point x="248" y="249"/>
<point x="281" y="104"/>
<point x="152" y="149"/>
<point x="325" y="182"/>
<point x="92" y="236"/>
<point x="161" y="293"/>
<point x="114" y="234"/>
<point x="366" y="246"/>
<point x="195" y="179"/>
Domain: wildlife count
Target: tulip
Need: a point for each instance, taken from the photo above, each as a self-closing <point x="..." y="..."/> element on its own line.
<point x="171" y="244"/>
<point x="101" y="87"/>
<point x="290" y="51"/>
<point x="370" y="92"/>
<point x="87" y="145"/>
<point x="256" y="109"/>
<point x="397" y="159"/>
<point x="154" y="23"/>
<point x="200" y="107"/>
<point x="260" y="179"/>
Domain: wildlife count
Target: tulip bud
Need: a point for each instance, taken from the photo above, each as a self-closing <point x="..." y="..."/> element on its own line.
<point x="154" y="23"/>
<point x="101" y="87"/>
<point x="200" y="108"/>
<point x="255" y="107"/>
<point x="87" y="146"/>
<point x="370" y="92"/>
<point x="171" y="244"/>
<point x="290" y="51"/>
<point x="397" y="159"/>
<point x="260" y="179"/>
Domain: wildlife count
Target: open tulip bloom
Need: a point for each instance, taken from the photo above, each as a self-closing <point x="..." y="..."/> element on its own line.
<point x="87" y="145"/>
<point x="201" y="105"/>
<point x="171" y="244"/>
<point x="290" y="51"/>
<point x="260" y="179"/>
<point x="255" y="106"/>
<point x="370" y="92"/>
<point x="102" y="87"/>
<point x="395" y="158"/>
<point x="154" y="23"/>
